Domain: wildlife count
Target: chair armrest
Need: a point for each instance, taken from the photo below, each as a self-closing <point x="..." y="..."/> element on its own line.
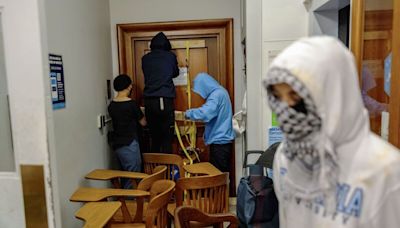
<point x="107" y="174"/>
<point x="97" y="214"/>
<point x="83" y="194"/>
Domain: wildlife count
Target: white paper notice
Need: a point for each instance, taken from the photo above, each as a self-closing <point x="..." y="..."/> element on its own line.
<point x="181" y="80"/>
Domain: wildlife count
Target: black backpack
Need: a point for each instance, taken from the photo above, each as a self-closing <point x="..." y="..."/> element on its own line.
<point x="257" y="204"/>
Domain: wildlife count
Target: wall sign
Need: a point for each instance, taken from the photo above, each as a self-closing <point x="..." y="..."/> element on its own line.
<point x="181" y="80"/>
<point x="57" y="81"/>
<point x="274" y="135"/>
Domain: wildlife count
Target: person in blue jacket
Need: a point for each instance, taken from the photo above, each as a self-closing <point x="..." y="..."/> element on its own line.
<point x="216" y="112"/>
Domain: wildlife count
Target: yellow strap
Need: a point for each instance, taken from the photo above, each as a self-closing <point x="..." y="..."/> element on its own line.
<point x="178" y="134"/>
<point x="191" y="130"/>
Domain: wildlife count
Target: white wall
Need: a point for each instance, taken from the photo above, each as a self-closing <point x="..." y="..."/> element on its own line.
<point x="80" y="32"/>
<point x="25" y="72"/>
<point x="7" y="162"/>
<point x="254" y="31"/>
<point x="269" y="30"/>
<point x="324" y="23"/>
<point x="324" y="16"/>
<point x="128" y="11"/>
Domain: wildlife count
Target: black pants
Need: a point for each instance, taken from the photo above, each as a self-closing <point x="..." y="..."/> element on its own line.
<point x="220" y="156"/>
<point x="160" y="119"/>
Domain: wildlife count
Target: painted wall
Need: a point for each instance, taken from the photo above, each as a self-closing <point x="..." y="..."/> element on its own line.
<point x="127" y="11"/>
<point x="268" y="31"/>
<point x="254" y="31"/>
<point x="7" y="162"/>
<point x="80" y="32"/>
<point x="324" y="16"/>
<point x="324" y="23"/>
<point x="25" y="72"/>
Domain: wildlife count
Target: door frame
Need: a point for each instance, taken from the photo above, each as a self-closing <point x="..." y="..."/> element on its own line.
<point x="222" y="27"/>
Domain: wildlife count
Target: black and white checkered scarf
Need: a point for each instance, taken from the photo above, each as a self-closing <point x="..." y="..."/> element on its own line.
<point x="313" y="170"/>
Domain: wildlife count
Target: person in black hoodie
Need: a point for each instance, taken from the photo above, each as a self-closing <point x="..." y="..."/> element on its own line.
<point x="159" y="68"/>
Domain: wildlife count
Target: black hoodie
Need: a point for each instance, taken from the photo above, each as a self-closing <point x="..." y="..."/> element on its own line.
<point x="159" y="67"/>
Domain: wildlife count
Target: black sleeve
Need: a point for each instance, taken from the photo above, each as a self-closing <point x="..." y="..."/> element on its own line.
<point x="144" y="63"/>
<point x="176" y="68"/>
<point x="138" y="112"/>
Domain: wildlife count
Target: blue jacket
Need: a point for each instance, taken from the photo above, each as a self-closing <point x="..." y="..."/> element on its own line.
<point x="216" y="112"/>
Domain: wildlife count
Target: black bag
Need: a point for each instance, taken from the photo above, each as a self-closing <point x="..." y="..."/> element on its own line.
<point x="257" y="204"/>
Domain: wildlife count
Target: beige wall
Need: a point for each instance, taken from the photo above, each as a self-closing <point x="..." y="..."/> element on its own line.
<point x="80" y="32"/>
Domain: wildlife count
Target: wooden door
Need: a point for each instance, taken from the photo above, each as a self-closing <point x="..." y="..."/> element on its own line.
<point x="377" y="46"/>
<point x="210" y="50"/>
<point x="375" y="34"/>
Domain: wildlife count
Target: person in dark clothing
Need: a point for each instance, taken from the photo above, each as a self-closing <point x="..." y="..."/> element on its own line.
<point x="159" y="68"/>
<point x="125" y="115"/>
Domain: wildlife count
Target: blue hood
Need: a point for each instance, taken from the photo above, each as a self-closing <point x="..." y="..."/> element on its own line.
<point x="216" y="112"/>
<point x="204" y="85"/>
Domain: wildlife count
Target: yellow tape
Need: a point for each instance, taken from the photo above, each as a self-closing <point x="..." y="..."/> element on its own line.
<point x="190" y="130"/>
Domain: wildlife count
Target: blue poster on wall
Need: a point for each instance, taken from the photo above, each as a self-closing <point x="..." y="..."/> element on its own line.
<point x="57" y="81"/>
<point x="274" y="135"/>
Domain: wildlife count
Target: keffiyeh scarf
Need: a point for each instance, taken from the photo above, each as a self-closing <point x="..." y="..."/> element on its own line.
<point x="312" y="170"/>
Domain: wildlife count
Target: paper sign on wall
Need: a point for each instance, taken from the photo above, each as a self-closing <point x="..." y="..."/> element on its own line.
<point x="57" y="81"/>
<point x="181" y="80"/>
<point x="274" y="135"/>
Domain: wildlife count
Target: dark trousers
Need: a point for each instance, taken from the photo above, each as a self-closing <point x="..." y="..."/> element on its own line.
<point x="160" y="119"/>
<point x="220" y="156"/>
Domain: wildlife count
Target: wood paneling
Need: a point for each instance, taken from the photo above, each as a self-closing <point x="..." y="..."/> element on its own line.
<point x="394" y="106"/>
<point x="378" y="20"/>
<point x="377" y="46"/>
<point x="33" y="187"/>
<point x="357" y="31"/>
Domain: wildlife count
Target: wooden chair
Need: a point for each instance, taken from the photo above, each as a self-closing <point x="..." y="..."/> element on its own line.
<point x="201" y="168"/>
<point x="97" y="214"/>
<point x="156" y="214"/>
<point x="152" y="160"/>
<point x="134" y="207"/>
<point x="83" y="194"/>
<point x="186" y="215"/>
<point x="207" y="193"/>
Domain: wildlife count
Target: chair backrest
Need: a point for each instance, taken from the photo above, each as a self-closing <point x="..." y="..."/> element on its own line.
<point x="208" y="193"/>
<point x="186" y="214"/>
<point x="157" y="174"/>
<point x="160" y="194"/>
<point x="152" y="160"/>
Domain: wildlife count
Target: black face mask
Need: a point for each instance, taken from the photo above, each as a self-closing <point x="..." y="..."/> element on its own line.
<point x="300" y="107"/>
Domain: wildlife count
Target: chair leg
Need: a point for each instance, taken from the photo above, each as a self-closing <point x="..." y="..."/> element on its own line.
<point x="169" y="221"/>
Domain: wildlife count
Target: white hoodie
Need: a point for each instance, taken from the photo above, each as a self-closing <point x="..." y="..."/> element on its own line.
<point x="368" y="185"/>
